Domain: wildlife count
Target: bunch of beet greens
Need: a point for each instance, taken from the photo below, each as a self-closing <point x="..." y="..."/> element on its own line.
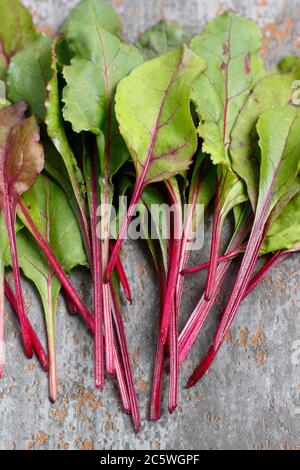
<point x="86" y="118"/>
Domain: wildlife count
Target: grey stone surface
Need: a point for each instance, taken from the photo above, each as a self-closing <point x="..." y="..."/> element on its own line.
<point x="251" y="397"/>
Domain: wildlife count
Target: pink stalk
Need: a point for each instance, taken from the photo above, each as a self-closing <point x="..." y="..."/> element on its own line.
<point x="173" y="267"/>
<point x="174" y="363"/>
<point x="2" y="352"/>
<point x="234" y="299"/>
<point x="44" y="246"/>
<point x="155" y="407"/>
<point x="135" y="412"/>
<point x="227" y="257"/>
<point x="121" y="381"/>
<point x="214" y="249"/>
<point x="71" y="307"/>
<point x="191" y="330"/>
<point x="122" y="276"/>
<point x="10" y="218"/>
<point x="138" y="189"/>
<point x="97" y="286"/>
<point x="36" y="344"/>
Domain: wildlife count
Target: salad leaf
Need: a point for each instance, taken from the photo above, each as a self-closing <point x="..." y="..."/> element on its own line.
<point x="160" y="39"/>
<point x="28" y="74"/>
<point x="273" y="90"/>
<point x="163" y="141"/>
<point x="16" y="31"/>
<point x="230" y="46"/>
<point x="278" y="131"/>
<point x="21" y="160"/>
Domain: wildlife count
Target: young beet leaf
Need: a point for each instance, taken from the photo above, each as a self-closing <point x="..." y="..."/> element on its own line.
<point x="56" y="222"/>
<point x="16" y="31"/>
<point x="101" y="60"/>
<point x="229" y="45"/>
<point x="163" y="140"/>
<point x="21" y="160"/>
<point x="278" y="131"/>
<point x="160" y="39"/>
<point x="28" y="74"/>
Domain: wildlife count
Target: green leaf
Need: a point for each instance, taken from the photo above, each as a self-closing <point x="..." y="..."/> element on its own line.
<point x="162" y="140"/>
<point x="29" y="73"/>
<point x="229" y="44"/>
<point x="91" y="81"/>
<point x="160" y="39"/>
<point x="278" y="131"/>
<point x="82" y="25"/>
<point x="284" y="232"/>
<point x="271" y="91"/>
<point x="21" y="155"/>
<point x="16" y="31"/>
<point x="49" y="209"/>
<point x="56" y="131"/>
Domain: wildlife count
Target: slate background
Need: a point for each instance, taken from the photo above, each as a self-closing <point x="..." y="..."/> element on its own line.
<point x="251" y="397"/>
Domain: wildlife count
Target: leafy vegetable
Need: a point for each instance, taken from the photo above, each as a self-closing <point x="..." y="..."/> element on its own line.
<point x="28" y="74"/>
<point x="278" y="131"/>
<point x="229" y="44"/>
<point x="16" y="31"/>
<point x="100" y="62"/>
<point x="19" y="136"/>
<point x="56" y="222"/>
<point x="162" y="142"/>
<point x="160" y="39"/>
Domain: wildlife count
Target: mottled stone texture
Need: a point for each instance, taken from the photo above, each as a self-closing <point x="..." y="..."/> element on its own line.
<point x="251" y="397"/>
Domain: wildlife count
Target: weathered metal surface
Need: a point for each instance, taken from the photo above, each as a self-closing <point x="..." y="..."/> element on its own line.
<point x="251" y="397"/>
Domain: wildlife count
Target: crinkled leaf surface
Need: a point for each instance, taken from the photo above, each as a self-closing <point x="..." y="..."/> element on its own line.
<point x="229" y="44"/>
<point x="271" y="91"/>
<point x="16" y="31"/>
<point x="284" y="232"/>
<point x="21" y="155"/>
<point x="56" y="131"/>
<point x="29" y="73"/>
<point x="81" y="26"/>
<point x="162" y="140"/>
<point x="92" y="77"/>
<point x="278" y="131"/>
<point x="160" y="39"/>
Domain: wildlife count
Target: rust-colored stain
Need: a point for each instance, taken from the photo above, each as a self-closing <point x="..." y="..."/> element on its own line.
<point x="228" y="337"/>
<point x="157" y="445"/>
<point x="85" y="445"/>
<point x="243" y="338"/>
<point x="261" y="357"/>
<point x="142" y="385"/>
<point x="276" y="32"/>
<point x="134" y="357"/>
<point x="258" y="338"/>
<point x="41" y="438"/>
<point x="213" y="420"/>
<point x="87" y="398"/>
<point x="59" y="413"/>
<point x="118" y="3"/>
<point x="61" y="445"/>
<point x="142" y="270"/>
